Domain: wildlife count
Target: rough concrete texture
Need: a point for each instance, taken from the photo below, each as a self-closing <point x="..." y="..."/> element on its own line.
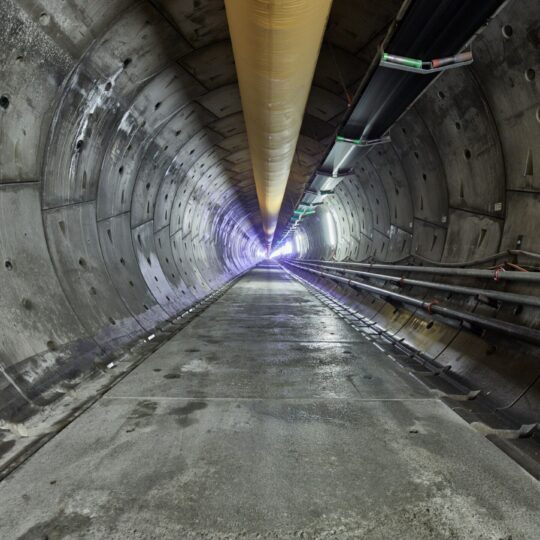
<point x="126" y="195"/>
<point x="126" y="191"/>
<point x="458" y="182"/>
<point x="243" y="432"/>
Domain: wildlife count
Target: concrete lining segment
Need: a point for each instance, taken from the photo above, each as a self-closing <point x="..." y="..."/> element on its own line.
<point x="227" y="450"/>
<point x="53" y="418"/>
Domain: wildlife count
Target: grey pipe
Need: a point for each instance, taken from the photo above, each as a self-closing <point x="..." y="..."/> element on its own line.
<point x="522" y="277"/>
<point x="510" y="329"/>
<point x="462" y="264"/>
<point x="483" y="260"/>
<point x="471" y="291"/>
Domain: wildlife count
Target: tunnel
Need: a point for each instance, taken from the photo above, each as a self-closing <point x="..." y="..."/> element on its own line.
<point x="269" y="269"/>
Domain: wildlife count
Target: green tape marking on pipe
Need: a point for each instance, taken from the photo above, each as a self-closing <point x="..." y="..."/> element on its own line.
<point x="402" y="60"/>
<point x="340" y="138"/>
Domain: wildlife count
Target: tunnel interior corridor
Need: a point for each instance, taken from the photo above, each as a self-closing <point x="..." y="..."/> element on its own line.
<point x="248" y="428"/>
<point x="267" y="279"/>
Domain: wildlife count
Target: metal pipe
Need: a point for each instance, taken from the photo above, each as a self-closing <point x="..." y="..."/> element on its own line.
<point x="460" y="58"/>
<point x="402" y="60"/>
<point x="496" y="275"/>
<point x="376" y="327"/>
<point x="514" y="330"/>
<point x="513" y="252"/>
<point x="462" y="264"/>
<point x="457" y="289"/>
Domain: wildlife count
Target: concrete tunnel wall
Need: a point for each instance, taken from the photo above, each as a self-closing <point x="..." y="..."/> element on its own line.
<point x="116" y="208"/>
<point x="459" y="181"/>
<point x="126" y="190"/>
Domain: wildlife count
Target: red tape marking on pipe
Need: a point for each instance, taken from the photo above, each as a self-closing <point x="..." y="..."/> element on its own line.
<point x="430" y="305"/>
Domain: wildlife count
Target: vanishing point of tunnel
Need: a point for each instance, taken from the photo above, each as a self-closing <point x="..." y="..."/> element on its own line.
<point x="270" y="269"/>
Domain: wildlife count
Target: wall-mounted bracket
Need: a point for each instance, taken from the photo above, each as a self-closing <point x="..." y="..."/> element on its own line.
<point x="311" y="205"/>
<point x="306" y="206"/>
<point x="319" y="192"/>
<point x="363" y="142"/>
<point x="303" y="213"/>
<point x="413" y="65"/>
<point x="339" y="174"/>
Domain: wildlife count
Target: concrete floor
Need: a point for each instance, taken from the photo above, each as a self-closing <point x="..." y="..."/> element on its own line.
<point x="269" y="417"/>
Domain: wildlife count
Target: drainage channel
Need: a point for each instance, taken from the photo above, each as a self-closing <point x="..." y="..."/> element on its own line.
<point x="518" y="442"/>
<point x="127" y="362"/>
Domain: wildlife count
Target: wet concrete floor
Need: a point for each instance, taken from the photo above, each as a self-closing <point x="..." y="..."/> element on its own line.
<point x="269" y="417"/>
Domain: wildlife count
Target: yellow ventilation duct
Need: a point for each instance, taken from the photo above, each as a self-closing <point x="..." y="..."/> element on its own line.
<point x="276" y="45"/>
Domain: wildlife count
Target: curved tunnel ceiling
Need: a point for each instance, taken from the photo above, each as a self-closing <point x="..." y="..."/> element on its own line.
<point x="126" y="189"/>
